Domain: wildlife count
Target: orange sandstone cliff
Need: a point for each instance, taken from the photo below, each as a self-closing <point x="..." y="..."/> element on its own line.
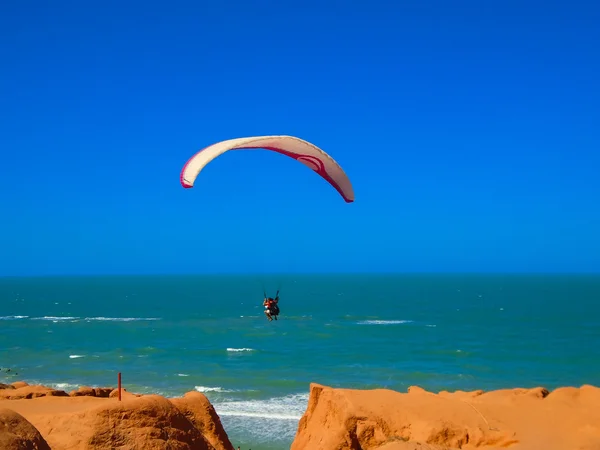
<point x="345" y="419"/>
<point x="41" y="418"/>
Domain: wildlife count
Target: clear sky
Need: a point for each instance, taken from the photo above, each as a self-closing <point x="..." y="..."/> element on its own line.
<point x="470" y="131"/>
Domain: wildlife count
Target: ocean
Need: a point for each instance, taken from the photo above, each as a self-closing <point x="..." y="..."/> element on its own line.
<point x="173" y="334"/>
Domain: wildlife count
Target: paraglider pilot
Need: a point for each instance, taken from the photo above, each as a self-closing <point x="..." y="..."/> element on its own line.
<point x="271" y="307"/>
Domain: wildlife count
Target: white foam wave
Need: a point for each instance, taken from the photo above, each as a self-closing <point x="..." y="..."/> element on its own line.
<point x="121" y="319"/>
<point x="55" y="318"/>
<point x="211" y="389"/>
<point x="260" y="415"/>
<point x="76" y="356"/>
<point x="13" y="317"/>
<point x="182" y="375"/>
<point x="290" y="407"/>
<point x="244" y="349"/>
<point x="383" y="322"/>
<point x="62" y="386"/>
<point x="87" y="319"/>
<point x="255" y="418"/>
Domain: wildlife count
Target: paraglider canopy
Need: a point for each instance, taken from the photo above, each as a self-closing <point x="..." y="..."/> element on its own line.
<point x="308" y="154"/>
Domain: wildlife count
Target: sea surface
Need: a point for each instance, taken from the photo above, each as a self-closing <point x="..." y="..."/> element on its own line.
<point x="173" y="334"/>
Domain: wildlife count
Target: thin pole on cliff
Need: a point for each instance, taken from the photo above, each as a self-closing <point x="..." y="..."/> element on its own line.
<point x="119" y="386"/>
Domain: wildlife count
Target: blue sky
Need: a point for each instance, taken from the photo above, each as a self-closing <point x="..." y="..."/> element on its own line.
<point x="470" y="134"/>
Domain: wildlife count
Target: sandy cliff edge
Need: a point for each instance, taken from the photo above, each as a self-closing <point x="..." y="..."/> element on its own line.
<point x="42" y="418"/>
<point x="382" y="419"/>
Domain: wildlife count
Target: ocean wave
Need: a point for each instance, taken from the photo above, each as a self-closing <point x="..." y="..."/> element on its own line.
<point x="383" y="322"/>
<point x="87" y="319"/>
<point x="254" y="419"/>
<point x="121" y="319"/>
<point x="261" y="415"/>
<point x="55" y="318"/>
<point x="62" y="386"/>
<point x="211" y="389"/>
<point x="244" y="349"/>
<point x="289" y="407"/>
<point x="76" y="356"/>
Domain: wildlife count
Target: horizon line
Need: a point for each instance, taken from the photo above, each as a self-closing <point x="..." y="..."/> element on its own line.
<point x="265" y="274"/>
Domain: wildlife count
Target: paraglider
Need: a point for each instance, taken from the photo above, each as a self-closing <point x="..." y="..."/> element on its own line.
<point x="271" y="306"/>
<point x="302" y="151"/>
<point x="298" y="149"/>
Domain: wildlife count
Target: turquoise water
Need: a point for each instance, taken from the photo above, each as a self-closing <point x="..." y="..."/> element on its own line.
<point x="172" y="334"/>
